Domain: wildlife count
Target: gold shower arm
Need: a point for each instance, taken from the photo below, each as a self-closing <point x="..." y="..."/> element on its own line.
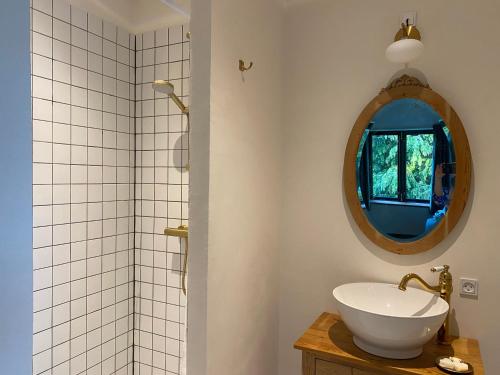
<point x="179" y="103"/>
<point x="181" y="231"/>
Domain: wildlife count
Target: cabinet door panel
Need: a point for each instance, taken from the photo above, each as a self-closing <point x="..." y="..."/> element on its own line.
<point x="355" y="371"/>
<point x="328" y="368"/>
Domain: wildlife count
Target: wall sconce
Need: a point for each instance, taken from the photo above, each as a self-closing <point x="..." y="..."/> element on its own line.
<point x="406" y="47"/>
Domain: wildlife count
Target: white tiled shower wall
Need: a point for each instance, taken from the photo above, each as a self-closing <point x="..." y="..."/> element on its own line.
<point x="83" y="189"/>
<point x="162" y="182"/>
<point x="86" y="187"/>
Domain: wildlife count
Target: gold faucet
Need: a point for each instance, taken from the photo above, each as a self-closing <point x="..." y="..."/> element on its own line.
<point x="445" y="288"/>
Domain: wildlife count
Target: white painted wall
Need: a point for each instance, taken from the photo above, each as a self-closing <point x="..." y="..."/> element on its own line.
<point x="240" y="175"/>
<point x="334" y="53"/>
<point x="199" y="143"/>
<point x="331" y="60"/>
<point x="245" y="188"/>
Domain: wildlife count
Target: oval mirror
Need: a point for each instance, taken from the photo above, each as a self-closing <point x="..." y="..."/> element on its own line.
<point x="407" y="168"/>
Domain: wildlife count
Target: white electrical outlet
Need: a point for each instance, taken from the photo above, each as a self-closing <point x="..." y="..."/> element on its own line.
<point x="410" y="16"/>
<point x="469" y="287"/>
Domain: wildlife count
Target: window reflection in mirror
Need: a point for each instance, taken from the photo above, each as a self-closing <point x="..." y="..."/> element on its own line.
<point x="405" y="169"/>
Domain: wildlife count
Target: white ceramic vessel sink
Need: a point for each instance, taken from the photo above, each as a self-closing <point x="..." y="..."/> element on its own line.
<point x="389" y="322"/>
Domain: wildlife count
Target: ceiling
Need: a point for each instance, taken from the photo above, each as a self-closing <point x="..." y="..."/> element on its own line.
<point x="138" y="16"/>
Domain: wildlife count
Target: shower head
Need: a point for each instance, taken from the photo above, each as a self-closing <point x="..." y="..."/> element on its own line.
<point x="167" y="88"/>
<point x="163" y="86"/>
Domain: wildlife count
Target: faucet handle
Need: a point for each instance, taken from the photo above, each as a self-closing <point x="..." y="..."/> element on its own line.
<point x="440" y="268"/>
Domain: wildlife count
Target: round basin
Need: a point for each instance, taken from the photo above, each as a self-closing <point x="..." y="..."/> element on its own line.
<point x="389" y="322"/>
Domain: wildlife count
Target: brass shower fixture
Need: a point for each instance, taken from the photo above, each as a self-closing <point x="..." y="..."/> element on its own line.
<point x="165" y="87"/>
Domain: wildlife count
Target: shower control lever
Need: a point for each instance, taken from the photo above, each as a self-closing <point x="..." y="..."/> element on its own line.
<point x="182" y="232"/>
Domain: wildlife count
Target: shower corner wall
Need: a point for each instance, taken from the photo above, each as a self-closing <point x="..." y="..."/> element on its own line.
<point x="162" y="184"/>
<point x="108" y="175"/>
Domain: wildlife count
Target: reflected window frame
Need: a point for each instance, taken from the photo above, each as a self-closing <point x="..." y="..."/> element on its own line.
<point x="401" y="166"/>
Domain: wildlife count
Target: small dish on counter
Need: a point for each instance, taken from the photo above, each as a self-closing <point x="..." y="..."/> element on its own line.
<point x="469" y="370"/>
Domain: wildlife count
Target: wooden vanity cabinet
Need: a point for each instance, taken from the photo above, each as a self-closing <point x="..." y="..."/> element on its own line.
<point x="330" y="368"/>
<point x="327" y="349"/>
<point x="316" y="366"/>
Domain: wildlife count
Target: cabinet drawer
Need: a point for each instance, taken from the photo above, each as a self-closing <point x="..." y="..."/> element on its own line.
<point x="355" y="371"/>
<point x="328" y="368"/>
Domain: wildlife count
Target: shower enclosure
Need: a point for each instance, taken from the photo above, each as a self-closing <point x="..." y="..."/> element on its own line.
<point x="110" y="173"/>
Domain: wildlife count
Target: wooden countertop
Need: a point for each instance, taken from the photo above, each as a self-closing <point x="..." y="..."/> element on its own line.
<point x="328" y="338"/>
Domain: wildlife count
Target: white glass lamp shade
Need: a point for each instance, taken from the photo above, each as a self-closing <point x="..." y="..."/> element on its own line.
<point x="404" y="51"/>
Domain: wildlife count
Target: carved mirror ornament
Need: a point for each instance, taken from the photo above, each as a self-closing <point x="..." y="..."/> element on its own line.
<point x="407" y="168"/>
<point x="405" y="80"/>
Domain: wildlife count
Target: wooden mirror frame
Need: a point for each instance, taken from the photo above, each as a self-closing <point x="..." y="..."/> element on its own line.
<point x="400" y="88"/>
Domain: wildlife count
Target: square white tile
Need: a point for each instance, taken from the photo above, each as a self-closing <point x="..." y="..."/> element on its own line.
<point x="78" y="17"/>
<point x="61" y="30"/>
<point x="42" y="23"/>
<point x="42" y="45"/>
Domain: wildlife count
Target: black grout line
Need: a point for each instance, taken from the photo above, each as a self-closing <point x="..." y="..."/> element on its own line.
<point x="116" y="206"/>
<point x="71" y="140"/>
<point x="52" y="170"/>
<point x="168" y="160"/>
<point x="154" y="179"/>
<point x="102" y="195"/>
<point x="112" y="148"/>
<point x="87" y="219"/>
<point x="132" y="359"/>
<point x="137" y="286"/>
<point x="88" y="109"/>
<point x="86" y="70"/>
<point x="77" y="355"/>
<point x="78" y="317"/>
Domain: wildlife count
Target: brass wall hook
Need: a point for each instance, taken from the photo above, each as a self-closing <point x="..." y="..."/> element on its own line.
<point x="242" y="66"/>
